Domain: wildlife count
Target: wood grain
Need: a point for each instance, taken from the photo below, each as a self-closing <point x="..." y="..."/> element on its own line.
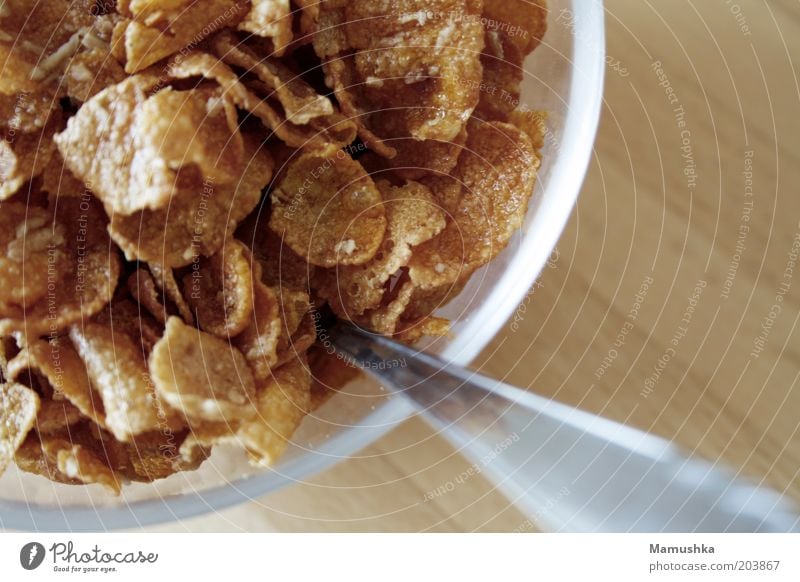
<point x="639" y="218"/>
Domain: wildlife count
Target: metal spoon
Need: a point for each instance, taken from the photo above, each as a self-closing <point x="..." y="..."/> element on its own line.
<point x="566" y="469"/>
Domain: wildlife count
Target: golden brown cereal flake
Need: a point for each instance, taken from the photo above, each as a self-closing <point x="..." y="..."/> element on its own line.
<point x="118" y="371"/>
<point x="57" y="362"/>
<point x="38" y="38"/>
<point x="28" y="112"/>
<point x="328" y="210"/>
<point x="412" y="331"/>
<point x="295" y="344"/>
<point x="524" y="22"/>
<point x="294" y="308"/>
<point x="129" y="148"/>
<point x="158" y="29"/>
<point x="164" y="278"/>
<point x="80" y="464"/>
<point x="280" y="265"/>
<point x="280" y="406"/>
<point x="270" y="19"/>
<point x="301" y="104"/>
<point x="203" y="376"/>
<point x="502" y="77"/>
<point x="59" y="182"/>
<point x="310" y="10"/>
<point x="21" y="370"/>
<point x="99" y="147"/>
<point x="219" y="290"/>
<point x="65" y="371"/>
<point x="131" y="319"/>
<point x="325" y="133"/>
<point x="91" y="71"/>
<point x="72" y="456"/>
<point x="106" y="448"/>
<point x="413" y="217"/>
<point x="414" y="65"/>
<point x="329" y="374"/>
<point x="23" y="156"/>
<point x="26" y="234"/>
<point x="340" y="77"/>
<point x="8" y="349"/>
<point x="143" y="289"/>
<point x="271" y="419"/>
<point x="385" y="318"/>
<point x="497" y="172"/>
<point x="325" y="24"/>
<point x="203" y="436"/>
<point x="258" y="342"/>
<point x="157" y="455"/>
<point x="198" y="219"/>
<point x="18" y="409"/>
<point x="32" y="458"/>
<point x="70" y="271"/>
<point x="28" y="122"/>
<point x="55" y="416"/>
<point x="417" y="159"/>
<point x="533" y="123"/>
<point x="446" y="190"/>
<point x="196" y="127"/>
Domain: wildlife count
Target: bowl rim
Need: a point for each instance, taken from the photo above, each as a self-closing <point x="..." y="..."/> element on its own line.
<point x="568" y="174"/>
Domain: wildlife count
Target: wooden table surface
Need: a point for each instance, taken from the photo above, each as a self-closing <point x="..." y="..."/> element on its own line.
<point x="703" y="235"/>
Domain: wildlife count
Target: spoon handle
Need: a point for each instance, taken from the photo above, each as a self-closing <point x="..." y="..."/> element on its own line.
<point x="566" y="469"/>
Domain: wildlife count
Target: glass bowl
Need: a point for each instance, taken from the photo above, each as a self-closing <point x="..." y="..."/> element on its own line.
<point x="564" y="76"/>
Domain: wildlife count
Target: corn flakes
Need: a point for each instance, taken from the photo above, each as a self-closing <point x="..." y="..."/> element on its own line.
<point x="18" y="409"/>
<point x="188" y="189"/>
<point x="328" y="210"/>
<point x="218" y="384"/>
